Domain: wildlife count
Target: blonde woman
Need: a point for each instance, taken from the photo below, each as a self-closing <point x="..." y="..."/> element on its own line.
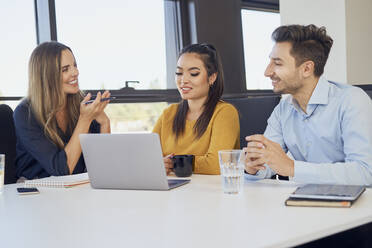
<point x="49" y="120"/>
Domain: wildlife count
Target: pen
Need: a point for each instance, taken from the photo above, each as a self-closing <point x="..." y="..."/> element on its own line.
<point x="102" y="100"/>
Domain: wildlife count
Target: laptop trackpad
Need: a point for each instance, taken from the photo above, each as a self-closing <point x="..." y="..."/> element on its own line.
<point x="174" y="183"/>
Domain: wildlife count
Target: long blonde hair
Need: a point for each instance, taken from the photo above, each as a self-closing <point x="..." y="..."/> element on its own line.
<point x="45" y="93"/>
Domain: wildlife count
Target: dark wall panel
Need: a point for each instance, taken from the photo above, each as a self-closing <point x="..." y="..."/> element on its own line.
<point x="219" y="22"/>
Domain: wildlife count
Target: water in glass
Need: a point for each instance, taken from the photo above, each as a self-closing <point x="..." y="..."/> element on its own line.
<point x="232" y="170"/>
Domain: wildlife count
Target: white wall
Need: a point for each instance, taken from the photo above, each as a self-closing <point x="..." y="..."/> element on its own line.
<point x="359" y="41"/>
<point x="327" y="13"/>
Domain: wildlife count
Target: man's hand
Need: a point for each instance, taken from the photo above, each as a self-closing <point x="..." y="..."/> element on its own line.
<point x="251" y="168"/>
<point x="261" y="150"/>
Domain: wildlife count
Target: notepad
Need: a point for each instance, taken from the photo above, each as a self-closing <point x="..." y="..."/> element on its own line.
<point x="322" y="195"/>
<point x="317" y="203"/>
<point x="59" y="182"/>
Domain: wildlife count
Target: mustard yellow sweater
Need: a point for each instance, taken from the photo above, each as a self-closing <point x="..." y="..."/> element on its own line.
<point x="222" y="133"/>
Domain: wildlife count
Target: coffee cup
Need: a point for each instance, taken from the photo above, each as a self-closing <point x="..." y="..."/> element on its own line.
<point x="183" y="165"/>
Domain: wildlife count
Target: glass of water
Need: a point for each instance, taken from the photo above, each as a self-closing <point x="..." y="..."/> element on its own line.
<point x="2" y="171"/>
<point x="232" y="170"/>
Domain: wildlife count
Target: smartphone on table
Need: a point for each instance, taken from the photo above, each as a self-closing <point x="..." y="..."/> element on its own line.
<point x="27" y="191"/>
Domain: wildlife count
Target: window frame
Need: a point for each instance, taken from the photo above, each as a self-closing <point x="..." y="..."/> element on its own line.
<point x="181" y="29"/>
<point x="265" y="6"/>
<point x="261" y="5"/>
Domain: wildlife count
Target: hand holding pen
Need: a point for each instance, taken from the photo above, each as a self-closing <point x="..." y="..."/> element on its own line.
<point x="93" y="109"/>
<point x="102" y="100"/>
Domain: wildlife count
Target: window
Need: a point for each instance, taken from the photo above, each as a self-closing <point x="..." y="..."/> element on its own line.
<point x="115" y="41"/>
<point x="135" y="117"/>
<point x="257" y="29"/>
<point x="17" y="41"/>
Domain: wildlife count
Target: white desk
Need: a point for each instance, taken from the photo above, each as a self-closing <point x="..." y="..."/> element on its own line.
<point x="195" y="215"/>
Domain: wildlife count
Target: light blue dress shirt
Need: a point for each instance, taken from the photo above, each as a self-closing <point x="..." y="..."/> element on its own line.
<point x="332" y="142"/>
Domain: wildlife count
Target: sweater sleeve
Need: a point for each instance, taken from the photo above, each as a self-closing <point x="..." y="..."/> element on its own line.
<point x="31" y="137"/>
<point x="224" y="136"/>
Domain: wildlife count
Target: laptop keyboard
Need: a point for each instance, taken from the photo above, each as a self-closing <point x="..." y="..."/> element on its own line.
<point x="177" y="182"/>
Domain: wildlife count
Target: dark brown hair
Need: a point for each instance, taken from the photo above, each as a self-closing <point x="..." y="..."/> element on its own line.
<point x="212" y="63"/>
<point x="308" y="43"/>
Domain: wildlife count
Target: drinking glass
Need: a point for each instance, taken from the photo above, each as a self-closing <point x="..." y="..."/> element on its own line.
<point x="232" y="170"/>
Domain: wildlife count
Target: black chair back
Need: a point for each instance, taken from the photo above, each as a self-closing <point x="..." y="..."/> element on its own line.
<point x="253" y="114"/>
<point x="8" y="142"/>
<point x="367" y="88"/>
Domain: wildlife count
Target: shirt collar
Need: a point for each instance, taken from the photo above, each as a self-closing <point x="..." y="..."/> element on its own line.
<point x="320" y="93"/>
<point x="319" y="96"/>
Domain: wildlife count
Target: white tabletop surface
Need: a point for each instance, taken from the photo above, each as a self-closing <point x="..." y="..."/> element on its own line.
<point x="198" y="214"/>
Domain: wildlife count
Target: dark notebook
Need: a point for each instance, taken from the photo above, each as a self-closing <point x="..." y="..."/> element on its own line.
<point x="323" y="195"/>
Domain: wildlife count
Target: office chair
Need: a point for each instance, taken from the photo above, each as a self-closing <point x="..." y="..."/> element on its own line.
<point x="253" y="114"/>
<point x="367" y="88"/>
<point x="8" y="142"/>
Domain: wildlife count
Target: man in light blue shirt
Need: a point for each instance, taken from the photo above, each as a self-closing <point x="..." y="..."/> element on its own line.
<point x="326" y="126"/>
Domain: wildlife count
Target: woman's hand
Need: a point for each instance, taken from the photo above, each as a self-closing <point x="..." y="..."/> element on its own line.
<point x="95" y="109"/>
<point x="168" y="163"/>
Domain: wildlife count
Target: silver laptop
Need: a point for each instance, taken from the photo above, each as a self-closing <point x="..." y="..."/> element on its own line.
<point x="126" y="161"/>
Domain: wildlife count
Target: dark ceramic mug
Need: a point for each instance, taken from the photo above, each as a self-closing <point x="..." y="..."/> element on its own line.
<point x="183" y="165"/>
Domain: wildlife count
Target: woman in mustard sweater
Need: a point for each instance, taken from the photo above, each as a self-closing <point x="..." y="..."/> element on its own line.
<point x="201" y="124"/>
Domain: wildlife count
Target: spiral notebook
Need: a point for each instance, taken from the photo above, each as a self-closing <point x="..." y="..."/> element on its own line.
<point x="59" y="182"/>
